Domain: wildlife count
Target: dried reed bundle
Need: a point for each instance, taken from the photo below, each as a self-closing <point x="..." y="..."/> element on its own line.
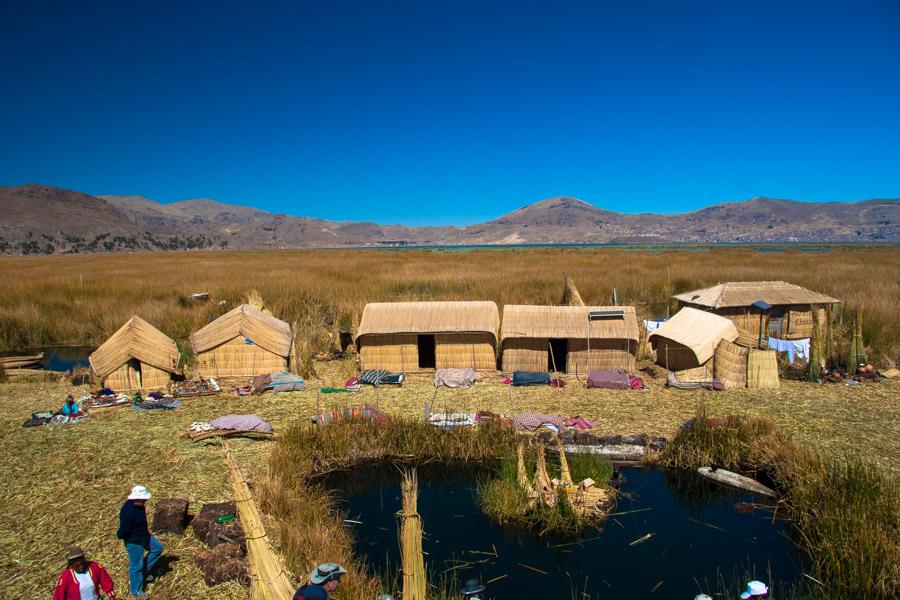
<point x="411" y="539"/>
<point x="570" y="296"/>
<point x="268" y="578"/>
<point x="762" y="369"/>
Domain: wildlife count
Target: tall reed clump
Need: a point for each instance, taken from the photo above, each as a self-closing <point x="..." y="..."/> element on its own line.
<point x="310" y="528"/>
<point x="504" y="499"/>
<point x="847" y="511"/>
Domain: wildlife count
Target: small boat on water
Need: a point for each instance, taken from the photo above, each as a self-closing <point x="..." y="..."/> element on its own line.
<point x="15" y="362"/>
<point x="736" y="480"/>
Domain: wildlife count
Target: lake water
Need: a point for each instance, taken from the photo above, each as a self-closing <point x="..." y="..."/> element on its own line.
<point x="699" y="535"/>
<point x="63" y="358"/>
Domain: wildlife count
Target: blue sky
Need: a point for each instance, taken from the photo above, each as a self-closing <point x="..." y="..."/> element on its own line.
<point x="453" y="112"/>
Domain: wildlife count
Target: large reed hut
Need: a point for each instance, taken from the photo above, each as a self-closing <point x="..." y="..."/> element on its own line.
<point x="418" y="336"/>
<point x="137" y="356"/>
<point x="789" y="315"/>
<point x="569" y="339"/>
<point x="689" y="339"/>
<point x="243" y="342"/>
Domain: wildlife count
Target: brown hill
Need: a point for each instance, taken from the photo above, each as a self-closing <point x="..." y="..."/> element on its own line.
<point x="43" y="219"/>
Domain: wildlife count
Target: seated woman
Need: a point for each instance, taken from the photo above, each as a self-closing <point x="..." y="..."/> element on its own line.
<point x="70" y="408"/>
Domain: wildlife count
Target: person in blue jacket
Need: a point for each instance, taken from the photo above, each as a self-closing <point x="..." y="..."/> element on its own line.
<point x="322" y="581"/>
<point x="135" y="534"/>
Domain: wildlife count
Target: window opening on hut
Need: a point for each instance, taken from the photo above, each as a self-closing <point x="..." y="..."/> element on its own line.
<point x="556" y="358"/>
<point x="776" y="321"/>
<point x="426" y="351"/>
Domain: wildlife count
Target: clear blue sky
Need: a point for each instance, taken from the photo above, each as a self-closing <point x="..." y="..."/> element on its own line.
<point x="453" y="112"/>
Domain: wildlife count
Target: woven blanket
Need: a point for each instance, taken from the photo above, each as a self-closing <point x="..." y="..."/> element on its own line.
<point x="531" y="421"/>
<point x="454" y="378"/>
<point x="241" y="423"/>
<point x="610" y="380"/>
<point x="521" y="378"/>
<point x="379" y="377"/>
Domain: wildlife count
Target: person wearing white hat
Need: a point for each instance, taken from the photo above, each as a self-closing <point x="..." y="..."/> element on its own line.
<point x="755" y="589"/>
<point x="135" y="534"/>
<point x="322" y="581"/>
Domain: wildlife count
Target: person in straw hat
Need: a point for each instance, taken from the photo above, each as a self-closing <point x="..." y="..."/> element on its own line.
<point x="322" y="581"/>
<point x="135" y="534"/>
<point x="82" y="579"/>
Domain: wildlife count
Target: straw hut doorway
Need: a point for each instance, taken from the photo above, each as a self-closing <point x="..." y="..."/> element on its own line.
<point x="425" y="345"/>
<point x="557" y="358"/>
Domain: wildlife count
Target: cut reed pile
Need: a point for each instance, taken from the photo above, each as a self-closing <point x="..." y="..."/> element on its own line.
<point x="847" y="511"/>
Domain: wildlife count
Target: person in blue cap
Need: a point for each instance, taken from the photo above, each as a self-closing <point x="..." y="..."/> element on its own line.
<point x="472" y="590"/>
<point x="322" y="581"/>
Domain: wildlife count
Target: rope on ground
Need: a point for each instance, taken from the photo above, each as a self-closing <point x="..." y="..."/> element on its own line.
<point x="268" y="578"/>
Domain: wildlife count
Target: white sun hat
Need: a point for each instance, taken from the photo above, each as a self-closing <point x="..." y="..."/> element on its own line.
<point x="754" y="588"/>
<point x="139" y="492"/>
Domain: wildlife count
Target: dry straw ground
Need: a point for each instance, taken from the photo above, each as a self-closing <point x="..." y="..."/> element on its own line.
<point x="84" y="298"/>
<point x="63" y="485"/>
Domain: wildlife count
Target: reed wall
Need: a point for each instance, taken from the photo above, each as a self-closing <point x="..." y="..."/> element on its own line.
<point x="465" y="351"/>
<point x="391" y="352"/>
<point x="236" y="358"/>
<point x="604" y="355"/>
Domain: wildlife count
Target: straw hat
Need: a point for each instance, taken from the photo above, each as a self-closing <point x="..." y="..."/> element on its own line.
<point x="473" y="586"/>
<point x="139" y="492"/>
<point x="754" y="588"/>
<point x="326" y="572"/>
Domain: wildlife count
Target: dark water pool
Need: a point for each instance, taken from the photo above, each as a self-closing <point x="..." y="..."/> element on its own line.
<point x="63" y="358"/>
<point x="701" y="533"/>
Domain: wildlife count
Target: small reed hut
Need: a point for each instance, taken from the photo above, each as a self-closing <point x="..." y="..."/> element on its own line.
<point x="568" y="339"/>
<point x="789" y="315"/>
<point x="138" y="356"/>
<point x="689" y="339"/>
<point x="241" y="343"/>
<point x="418" y="336"/>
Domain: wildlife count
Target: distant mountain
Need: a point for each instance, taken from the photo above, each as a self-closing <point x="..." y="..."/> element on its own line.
<point x="37" y="219"/>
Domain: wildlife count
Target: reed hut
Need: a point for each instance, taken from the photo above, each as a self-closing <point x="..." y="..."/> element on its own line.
<point x="419" y="336"/>
<point x="689" y="340"/>
<point x="790" y="312"/>
<point x="568" y="339"/>
<point x="138" y="356"/>
<point x="241" y="343"/>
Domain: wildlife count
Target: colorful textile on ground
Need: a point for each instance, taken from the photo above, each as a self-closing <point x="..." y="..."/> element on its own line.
<point x="244" y="390"/>
<point x="448" y="420"/>
<point x="286" y="382"/>
<point x="616" y="379"/>
<point x="378" y="377"/>
<point x="331" y="390"/>
<point x="557" y="383"/>
<point x="241" y="423"/>
<point x="531" y="421"/>
<point x="521" y="378"/>
<point x="368" y="413"/>
<point x="636" y="383"/>
<point x="454" y="378"/>
<point x="165" y="403"/>
<point x="672" y="381"/>
<point x="352" y="384"/>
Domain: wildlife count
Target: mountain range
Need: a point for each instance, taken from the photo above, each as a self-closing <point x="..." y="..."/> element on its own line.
<point x="40" y="219"/>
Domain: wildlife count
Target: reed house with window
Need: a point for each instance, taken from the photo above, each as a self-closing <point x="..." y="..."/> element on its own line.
<point x="568" y="339"/>
<point x="776" y="308"/>
<point x="420" y="336"/>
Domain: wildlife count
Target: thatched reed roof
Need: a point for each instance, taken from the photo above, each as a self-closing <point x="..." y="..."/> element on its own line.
<point x="263" y="330"/>
<point x="135" y="339"/>
<point x="698" y="330"/>
<point x="745" y="293"/>
<point x="429" y="317"/>
<point x="533" y="321"/>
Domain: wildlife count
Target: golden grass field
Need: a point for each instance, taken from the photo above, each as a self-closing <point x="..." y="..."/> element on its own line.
<point x="82" y="299"/>
<point x="64" y="484"/>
